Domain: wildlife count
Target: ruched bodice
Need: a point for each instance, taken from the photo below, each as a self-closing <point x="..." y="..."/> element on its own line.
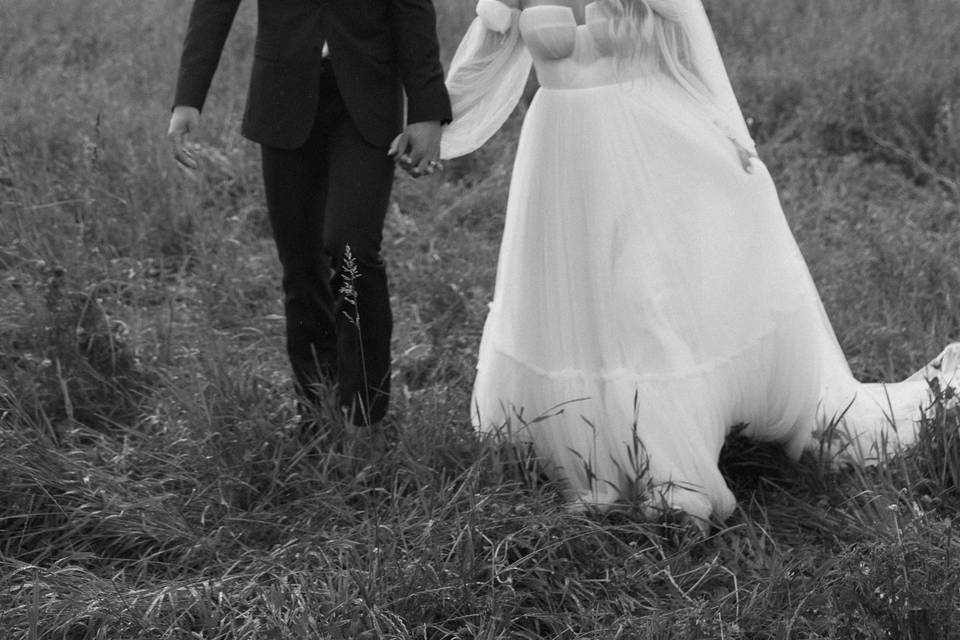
<point x="568" y="55"/>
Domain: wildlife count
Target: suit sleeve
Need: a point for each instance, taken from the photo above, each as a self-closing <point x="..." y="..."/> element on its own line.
<point x="207" y="30"/>
<point x="414" y="26"/>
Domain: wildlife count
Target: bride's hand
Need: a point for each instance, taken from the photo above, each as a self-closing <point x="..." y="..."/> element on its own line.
<point x="746" y="156"/>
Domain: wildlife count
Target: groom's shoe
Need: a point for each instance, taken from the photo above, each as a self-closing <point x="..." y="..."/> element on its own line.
<point x="317" y="413"/>
<point x="373" y="440"/>
<point x="370" y="445"/>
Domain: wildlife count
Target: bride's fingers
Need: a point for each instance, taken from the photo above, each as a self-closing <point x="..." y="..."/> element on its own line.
<point x="398" y="145"/>
<point x="746" y="159"/>
<point x="424" y="166"/>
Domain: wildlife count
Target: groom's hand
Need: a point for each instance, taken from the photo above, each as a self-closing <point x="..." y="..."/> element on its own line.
<point x="183" y="121"/>
<point x="417" y="149"/>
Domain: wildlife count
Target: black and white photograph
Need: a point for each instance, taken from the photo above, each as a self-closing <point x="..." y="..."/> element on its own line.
<point x="479" y="319"/>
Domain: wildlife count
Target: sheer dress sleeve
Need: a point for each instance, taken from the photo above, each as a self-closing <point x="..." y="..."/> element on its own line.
<point x="709" y="66"/>
<point x="486" y="78"/>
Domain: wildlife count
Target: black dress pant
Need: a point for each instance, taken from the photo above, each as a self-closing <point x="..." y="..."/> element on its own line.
<point x="327" y="201"/>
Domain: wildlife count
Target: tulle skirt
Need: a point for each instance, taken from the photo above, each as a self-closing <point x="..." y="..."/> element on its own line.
<point x="649" y="297"/>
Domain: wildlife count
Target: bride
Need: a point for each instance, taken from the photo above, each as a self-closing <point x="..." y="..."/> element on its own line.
<point x="649" y="294"/>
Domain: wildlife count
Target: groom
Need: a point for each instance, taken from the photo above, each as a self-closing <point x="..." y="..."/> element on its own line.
<point x="325" y="101"/>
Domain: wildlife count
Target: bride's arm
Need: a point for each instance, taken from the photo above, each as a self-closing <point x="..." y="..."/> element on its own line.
<point x="709" y="66"/>
<point x="486" y="78"/>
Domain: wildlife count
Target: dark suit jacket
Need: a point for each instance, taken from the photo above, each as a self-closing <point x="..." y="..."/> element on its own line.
<point x="378" y="50"/>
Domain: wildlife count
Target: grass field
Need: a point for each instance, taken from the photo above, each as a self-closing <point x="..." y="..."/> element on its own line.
<point x="151" y="484"/>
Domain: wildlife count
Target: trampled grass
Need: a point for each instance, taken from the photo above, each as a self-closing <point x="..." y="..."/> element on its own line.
<point x="151" y="481"/>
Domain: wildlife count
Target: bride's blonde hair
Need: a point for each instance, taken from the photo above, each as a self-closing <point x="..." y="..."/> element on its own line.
<point x="654" y="29"/>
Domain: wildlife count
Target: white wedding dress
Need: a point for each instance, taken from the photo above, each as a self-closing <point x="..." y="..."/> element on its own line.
<point x="649" y="293"/>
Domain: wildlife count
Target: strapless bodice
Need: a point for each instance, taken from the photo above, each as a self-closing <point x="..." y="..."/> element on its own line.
<point x="568" y="55"/>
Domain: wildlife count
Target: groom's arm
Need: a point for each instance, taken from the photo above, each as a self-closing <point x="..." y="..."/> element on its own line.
<point x="414" y="27"/>
<point x="207" y="30"/>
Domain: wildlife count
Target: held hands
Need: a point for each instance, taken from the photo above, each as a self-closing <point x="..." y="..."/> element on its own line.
<point x="185" y="120"/>
<point x="417" y="149"/>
